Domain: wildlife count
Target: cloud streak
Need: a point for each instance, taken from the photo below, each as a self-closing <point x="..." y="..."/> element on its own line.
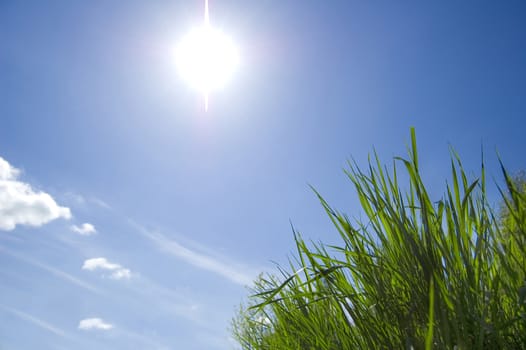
<point x="233" y="272"/>
<point x="20" y="204"/>
<point x="58" y="273"/>
<point x="117" y="271"/>
<point x="36" y="321"/>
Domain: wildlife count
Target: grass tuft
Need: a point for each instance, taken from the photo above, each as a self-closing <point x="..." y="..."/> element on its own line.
<point x="415" y="274"/>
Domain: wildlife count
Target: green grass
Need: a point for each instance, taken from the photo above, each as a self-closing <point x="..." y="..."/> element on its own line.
<point x="415" y="274"/>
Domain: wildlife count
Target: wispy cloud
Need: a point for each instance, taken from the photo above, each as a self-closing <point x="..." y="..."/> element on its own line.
<point x="117" y="271"/>
<point x="234" y="272"/>
<point x="181" y="301"/>
<point x="34" y="320"/>
<point x="146" y="341"/>
<point x="74" y="198"/>
<point x="22" y="205"/>
<point x="86" y="229"/>
<point x="58" y="273"/>
<point x="100" y="203"/>
<point x="80" y="200"/>
<point x="94" y="323"/>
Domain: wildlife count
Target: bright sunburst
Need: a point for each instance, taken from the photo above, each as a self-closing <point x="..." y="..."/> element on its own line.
<point x="206" y="58"/>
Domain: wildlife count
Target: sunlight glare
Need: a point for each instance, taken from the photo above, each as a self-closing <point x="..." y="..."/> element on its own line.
<point x="206" y="59"/>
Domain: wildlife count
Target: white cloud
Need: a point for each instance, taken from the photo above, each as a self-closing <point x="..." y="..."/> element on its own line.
<point x="21" y="205"/>
<point x="94" y="323"/>
<point x="117" y="271"/>
<point x="86" y="229"/>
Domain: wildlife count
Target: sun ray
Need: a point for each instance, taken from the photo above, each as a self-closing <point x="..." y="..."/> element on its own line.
<point x="207" y="17"/>
<point x="207" y="24"/>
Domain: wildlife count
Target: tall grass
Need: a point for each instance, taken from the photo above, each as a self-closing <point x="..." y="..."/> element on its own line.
<point x="415" y="274"/>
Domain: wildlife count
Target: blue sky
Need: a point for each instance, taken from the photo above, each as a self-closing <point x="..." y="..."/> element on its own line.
<point x="185" y="208"/>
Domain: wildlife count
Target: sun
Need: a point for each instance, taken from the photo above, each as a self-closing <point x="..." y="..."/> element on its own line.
<point x="206" y="58"/>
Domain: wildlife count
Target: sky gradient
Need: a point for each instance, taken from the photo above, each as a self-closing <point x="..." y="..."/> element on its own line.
<point x="130" y="218"/>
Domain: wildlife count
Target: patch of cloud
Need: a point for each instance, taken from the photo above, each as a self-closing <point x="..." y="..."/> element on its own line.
<point x="86" y="229"/>
<point x="94" y="324"/>
<point x="232" y="271"/>
<point x="116" y="271"/>
<point x="20" y="204"/>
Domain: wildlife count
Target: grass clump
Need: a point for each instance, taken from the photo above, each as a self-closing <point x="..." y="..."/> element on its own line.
<point x="415" y="274"/>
